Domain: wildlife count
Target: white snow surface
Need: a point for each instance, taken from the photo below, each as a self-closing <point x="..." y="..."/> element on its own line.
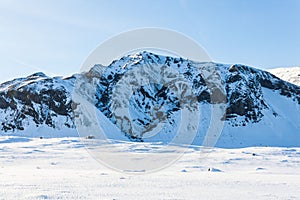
<point x="61" y="168"/>
<point x="291" y="74"/>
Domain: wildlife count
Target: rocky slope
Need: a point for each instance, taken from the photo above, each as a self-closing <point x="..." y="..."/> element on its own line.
<point x="260" y="109"/>
<point x="35" y="100"/>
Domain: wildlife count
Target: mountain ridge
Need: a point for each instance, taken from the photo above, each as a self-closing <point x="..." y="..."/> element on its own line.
<point x="42" y="102"/>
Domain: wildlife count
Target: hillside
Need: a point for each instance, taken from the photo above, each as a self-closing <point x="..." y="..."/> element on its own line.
<point x="259" y="108"/>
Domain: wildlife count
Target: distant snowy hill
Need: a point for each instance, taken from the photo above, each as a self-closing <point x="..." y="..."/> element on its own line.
<point x="261" y="109"/>
<point x="291" y="74"/>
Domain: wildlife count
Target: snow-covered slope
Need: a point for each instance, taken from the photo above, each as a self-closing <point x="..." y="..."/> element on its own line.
<point x="261" y="109"/>
<point x="291" y="74"/>
<point x="37" y="104"/>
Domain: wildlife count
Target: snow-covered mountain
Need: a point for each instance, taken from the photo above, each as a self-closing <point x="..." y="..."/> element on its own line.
<point x="34" y="103"/>
<point x="291" y="74"/>
<point x="261" y="109"/>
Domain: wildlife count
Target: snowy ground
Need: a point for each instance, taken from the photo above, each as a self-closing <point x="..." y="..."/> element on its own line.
<point x="61" y="168"/>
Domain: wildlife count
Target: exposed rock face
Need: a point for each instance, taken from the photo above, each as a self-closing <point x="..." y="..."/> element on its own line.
<point x="242" y="86"/>
<point x="244" y="90"/>
<point x="35" y="99"/>
<point x="41" y="100"/>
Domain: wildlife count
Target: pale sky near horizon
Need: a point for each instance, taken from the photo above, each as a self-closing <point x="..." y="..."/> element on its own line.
<point x="55" y="36"/>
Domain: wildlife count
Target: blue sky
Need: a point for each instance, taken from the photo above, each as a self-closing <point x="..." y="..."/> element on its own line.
<point x="56" y="36"/>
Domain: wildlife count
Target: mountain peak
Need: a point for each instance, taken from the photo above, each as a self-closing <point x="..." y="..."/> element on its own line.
<point x="37" y="75"/>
